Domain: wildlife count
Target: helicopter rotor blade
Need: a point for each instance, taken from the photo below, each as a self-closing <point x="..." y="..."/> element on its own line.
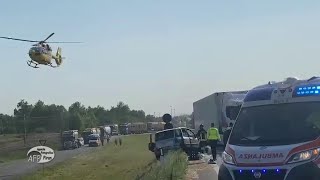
<point x="56" y="42"/>
<point x="38" y="42"/>
<point x="48" y="37"/>
<point x="16" y="39"/>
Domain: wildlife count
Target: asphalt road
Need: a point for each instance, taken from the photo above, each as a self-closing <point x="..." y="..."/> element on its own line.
<point x="202" y="170"/>
<point x="18" y="168"/>
<point x="14" y="169"/>
<point x="197" y="170"/>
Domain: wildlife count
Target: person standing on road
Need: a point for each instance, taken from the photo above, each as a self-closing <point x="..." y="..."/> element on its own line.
<point x="102" y="135"/>
<point x="108" y="137"/>
<point x="226" y="134"/>
<point x="202" y="135"/>
<point x="213" y="138"/>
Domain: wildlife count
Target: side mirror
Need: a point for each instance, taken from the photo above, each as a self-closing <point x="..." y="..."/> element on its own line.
<point x="151" y="147"/>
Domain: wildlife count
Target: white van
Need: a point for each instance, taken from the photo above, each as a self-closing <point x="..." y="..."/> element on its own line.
<point x="276" y="134"/>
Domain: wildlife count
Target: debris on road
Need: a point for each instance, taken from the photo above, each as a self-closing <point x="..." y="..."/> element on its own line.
<point x="202" y="170"/>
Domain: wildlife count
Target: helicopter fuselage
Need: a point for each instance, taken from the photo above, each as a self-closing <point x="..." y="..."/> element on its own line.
<point x="40" y="55"/>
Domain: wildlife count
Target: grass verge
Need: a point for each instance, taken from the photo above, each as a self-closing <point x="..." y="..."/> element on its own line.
<point x="13" y="155"/>
<point x="12" y="145"/>
<point x="21" y="152"/>
<point x="108" y="162"/>
<point x="174" y="167"/>
<point x="9" y="138"/>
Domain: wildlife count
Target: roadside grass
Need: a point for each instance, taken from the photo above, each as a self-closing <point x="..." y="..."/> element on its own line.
<point x="173" y="167"/>
<point x="18" y="151"/>
<point x="9" y="138"/>
<point x="13" y="155"/>
<point x="126" y="162"/>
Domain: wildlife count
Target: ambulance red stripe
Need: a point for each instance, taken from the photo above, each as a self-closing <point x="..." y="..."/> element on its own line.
<point x="231" y="152"/>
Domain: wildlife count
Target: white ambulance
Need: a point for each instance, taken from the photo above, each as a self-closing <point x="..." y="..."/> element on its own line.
<point x="277" y="134"/>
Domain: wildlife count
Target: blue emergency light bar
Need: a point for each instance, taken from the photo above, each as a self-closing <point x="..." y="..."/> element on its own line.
<point x="310" y="90"/>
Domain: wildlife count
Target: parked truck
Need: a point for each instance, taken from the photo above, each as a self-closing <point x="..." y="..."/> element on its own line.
<point x="88" y="131"/>
<point x="71" y="139"/>
<point x="124" y="129"/>
<point x="138" y="128"/>
<point x="155" y="126"/>
<point x="219" y="108"/>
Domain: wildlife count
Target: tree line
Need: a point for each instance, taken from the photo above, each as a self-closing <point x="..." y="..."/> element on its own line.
<point x="41" y="117"/>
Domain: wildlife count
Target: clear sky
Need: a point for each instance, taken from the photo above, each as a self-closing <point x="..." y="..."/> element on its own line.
<point x="155" y="54"/>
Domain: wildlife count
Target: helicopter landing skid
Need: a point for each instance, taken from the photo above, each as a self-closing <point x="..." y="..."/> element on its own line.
<point x="52" y="65"/>
<point x="32" y="64"/>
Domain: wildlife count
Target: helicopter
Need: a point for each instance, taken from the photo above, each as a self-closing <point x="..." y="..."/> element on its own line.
<point x="41" y="53"/>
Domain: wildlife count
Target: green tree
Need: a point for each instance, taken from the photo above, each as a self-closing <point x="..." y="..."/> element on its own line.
<point x="55" y="118"/>
<point x="7" y="124"/>
<point x="75" y="121"/>
<point x="22" y="113"/>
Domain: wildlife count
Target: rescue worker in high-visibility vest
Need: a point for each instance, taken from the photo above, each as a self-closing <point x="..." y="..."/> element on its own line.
<point x="202" y="136"/>
<point x="213" y="138"/>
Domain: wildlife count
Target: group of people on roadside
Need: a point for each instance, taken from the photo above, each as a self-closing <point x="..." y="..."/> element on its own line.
<point x="104" y="135"/>
<point x="211" y="138"/>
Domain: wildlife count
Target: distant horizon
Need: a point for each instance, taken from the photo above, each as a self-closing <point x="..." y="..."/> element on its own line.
<point x="154" y="55"/>
<point x="157" y="115"/>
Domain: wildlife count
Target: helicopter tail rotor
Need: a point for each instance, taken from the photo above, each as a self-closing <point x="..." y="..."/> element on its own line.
<point x="58" y="58"/>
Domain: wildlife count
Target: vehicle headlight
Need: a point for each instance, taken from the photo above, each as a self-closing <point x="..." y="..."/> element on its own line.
<point x="304" y="156"/>
<point x="227" y="158"/>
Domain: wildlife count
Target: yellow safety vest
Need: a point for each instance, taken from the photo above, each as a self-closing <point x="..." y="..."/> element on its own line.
<point x="213" y="134"/>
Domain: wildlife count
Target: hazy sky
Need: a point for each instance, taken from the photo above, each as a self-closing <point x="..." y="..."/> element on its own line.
<point x="155" y="54"/>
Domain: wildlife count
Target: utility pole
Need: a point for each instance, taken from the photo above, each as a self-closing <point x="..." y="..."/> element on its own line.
<point x="171" y="110"/>
<point x="2" y="126"/>
<point x="25" y="129"/>
<point x="61" y="124"/>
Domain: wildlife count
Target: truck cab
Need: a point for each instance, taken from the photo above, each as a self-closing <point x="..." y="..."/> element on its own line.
<point x="277" y="134"/>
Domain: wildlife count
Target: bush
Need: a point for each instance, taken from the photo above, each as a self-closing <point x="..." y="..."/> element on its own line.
<point x="40" y="130"/>
<point x="174" y="166"/>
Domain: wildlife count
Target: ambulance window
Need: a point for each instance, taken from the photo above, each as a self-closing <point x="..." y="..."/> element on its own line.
<point x="313" y="120"/>
<point x="279" y="124"/>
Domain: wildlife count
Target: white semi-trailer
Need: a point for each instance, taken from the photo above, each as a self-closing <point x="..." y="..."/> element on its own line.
<point x="219" y="108"/>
